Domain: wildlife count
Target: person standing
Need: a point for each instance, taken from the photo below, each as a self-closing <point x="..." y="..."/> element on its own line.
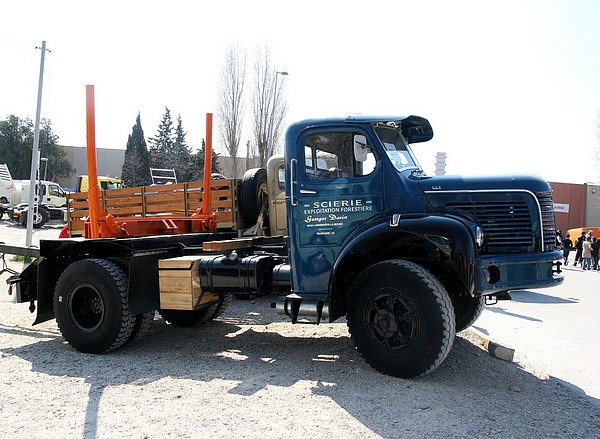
<point x="567" y="247"/>
<point x="579" y="247"/>
<point x="595" y="252"/>
<point x="586" y="253"/>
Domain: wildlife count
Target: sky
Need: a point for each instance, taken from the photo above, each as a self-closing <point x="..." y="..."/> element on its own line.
<point x="509" y="86"/>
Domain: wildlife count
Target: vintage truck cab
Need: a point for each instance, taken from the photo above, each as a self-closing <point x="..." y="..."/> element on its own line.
<point x="370" y="233"/>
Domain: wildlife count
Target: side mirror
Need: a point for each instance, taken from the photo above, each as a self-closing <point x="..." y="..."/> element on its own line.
<point x="361" y="149"/>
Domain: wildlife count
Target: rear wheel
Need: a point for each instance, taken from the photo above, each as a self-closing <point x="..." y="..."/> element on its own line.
<point x="400" y="318"/>
<point x="143" y="323"/>
<point x="467" y="310"/>
<point x="184" y="319"/>
<point x="91" y="306"/>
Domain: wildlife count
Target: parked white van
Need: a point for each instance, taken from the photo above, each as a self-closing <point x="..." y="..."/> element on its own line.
<point x="7" y="185"/>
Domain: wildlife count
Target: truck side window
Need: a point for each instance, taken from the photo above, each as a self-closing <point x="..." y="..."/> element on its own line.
<point x="55" y="191"/>
<point x="331" y="156"/>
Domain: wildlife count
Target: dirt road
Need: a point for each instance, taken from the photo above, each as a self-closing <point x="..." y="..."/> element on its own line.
<point x="251" y="374"/>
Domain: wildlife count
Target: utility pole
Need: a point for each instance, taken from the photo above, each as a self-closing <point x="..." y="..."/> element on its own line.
<point x="35" y="161"/>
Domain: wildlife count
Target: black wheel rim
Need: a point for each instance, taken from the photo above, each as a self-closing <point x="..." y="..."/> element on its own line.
<point x="263" y="194"/>
<point x="86" y="308"/>
<point x="391" y="320"/>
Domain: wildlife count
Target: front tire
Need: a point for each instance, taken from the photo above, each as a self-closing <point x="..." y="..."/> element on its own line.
<point x="91" y="306"/>
<point x="400" y="318"/>
<point x="467" y="310"/>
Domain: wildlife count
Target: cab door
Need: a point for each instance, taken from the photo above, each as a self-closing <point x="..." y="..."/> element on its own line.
<point x="336" y="190"/>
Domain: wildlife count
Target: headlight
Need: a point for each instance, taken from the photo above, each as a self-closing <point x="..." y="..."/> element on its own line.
<point x="479" y="236"/>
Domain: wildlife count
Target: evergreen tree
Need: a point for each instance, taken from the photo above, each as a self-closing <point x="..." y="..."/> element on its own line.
<point x="161" y="146"/>
<point x="181" y="154"/>
<point x="136" y="165"/>
<point x="16" y="143"/>
<point x="197" y="163"/>
<point x="58" y="165"/>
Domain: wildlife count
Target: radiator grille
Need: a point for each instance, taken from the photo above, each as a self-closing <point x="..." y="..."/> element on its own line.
<point x="512" y="226"/>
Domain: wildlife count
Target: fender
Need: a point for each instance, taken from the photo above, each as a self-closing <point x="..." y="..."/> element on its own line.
<point x="421" y="238"/>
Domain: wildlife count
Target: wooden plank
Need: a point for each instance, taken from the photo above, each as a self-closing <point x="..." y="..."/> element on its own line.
<point x="181" y="262"/>
<point x="182" y="199"/>
<point x="230" y="244"/>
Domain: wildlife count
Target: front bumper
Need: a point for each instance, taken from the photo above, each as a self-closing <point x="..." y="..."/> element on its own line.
<point x="498" y="273"/>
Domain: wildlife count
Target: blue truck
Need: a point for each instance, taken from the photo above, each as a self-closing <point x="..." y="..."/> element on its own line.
<point x="346" y="225"/>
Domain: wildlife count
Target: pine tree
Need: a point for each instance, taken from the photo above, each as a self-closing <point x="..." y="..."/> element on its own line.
<point x="136" y="165"/>
<point x="181" y="154"/>
<point x="161" y="146"/>
<point x="197" y="163"/>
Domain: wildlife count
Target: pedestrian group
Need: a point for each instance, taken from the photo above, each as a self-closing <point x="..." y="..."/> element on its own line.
<point x="586" y="247"/>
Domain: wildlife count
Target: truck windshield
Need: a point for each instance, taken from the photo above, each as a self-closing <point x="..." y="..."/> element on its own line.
<point x="396" y="148"/>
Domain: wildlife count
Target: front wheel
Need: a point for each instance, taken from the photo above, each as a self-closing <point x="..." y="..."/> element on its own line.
<point x="91" y="306"/>
<point x="467" y="309"/>
<point x="400" y="318"/>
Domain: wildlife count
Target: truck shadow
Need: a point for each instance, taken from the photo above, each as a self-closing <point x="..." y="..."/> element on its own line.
<point x="523" y="296"/>
<point x="483" y="395"/>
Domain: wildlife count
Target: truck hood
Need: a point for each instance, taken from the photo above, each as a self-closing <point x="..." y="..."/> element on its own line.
<point x="515" y="211"/>
<point x="459" y="183"/>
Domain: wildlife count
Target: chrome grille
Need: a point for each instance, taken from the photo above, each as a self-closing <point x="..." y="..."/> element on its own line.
<point x="507" y="224"/>
<point x="548" y="219"/>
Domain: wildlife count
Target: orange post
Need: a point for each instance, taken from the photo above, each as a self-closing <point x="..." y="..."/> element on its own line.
<point x="93" y="190"/>
<point x="205" y="209"/>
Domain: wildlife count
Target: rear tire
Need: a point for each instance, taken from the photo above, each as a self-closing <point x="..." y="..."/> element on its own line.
<point x="143" y="323"/>
<point x="400" y="318"/>
<point x="91" y="306"/>
<point x="184" y="319"/>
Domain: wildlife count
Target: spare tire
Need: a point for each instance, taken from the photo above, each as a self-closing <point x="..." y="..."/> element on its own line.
<point x="253" y="194"/>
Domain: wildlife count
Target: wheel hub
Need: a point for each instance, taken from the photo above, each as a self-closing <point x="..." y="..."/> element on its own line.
<point x="391" y="321"/>
<point x="86" y="309"/>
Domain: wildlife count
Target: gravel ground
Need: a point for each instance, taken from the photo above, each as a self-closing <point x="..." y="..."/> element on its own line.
<point x="251" y="374"/>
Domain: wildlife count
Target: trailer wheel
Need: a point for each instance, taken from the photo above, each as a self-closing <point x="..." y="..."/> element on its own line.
<point x="400" y="318"/>
<point x="39" y="219"/>
<point x="91" y="306"/>
<point x="467" y="309"/>
<point x="3" y="200"/>
<point x="253" y="194"/>
<point x="183" y="319"/>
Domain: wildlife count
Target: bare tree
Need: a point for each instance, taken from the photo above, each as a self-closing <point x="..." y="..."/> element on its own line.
<point x="269" y="107"/>
<point x="231" y="108"/>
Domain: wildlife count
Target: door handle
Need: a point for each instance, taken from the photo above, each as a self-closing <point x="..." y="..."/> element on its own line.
<point x="306" y="191"/>
<point x="293" y="182"/>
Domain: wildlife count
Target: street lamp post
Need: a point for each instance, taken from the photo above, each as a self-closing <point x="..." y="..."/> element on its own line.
<point x="45" y="160"/>
<point x="270" y="144"/>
